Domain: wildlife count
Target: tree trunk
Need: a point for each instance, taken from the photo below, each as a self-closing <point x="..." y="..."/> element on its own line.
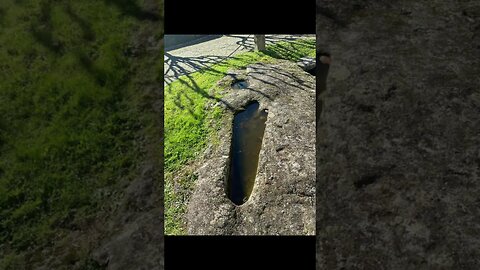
<point x="259" y="42"/>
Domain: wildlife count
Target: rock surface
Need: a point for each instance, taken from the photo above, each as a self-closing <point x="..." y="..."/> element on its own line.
<point x="137" y="240"/>
<point x="399" y="135"/>
<point x="283" y="197"/>
<point x="306" y="63"/>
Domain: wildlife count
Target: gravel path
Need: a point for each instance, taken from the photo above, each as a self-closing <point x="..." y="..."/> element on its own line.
<point x="192" y="58"/>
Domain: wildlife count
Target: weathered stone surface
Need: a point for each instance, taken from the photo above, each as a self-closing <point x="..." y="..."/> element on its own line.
<point x="136" y="234"/>
<point x="283" y="198"/>
<point x="399" y="135"/>
<point x="133" y="247"/>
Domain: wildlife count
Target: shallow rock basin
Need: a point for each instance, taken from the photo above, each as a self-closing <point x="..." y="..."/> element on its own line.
<point x="241" y="84"/>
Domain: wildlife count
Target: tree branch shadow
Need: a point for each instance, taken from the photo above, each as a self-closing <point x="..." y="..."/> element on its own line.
<point x="248" y="43"/>
<point x="193" y="64"/>
<point x="189" y="82"/>
<point x="180" y="69"/>
<point x="179" y="66"/>
<point x="87" y="29"/>
<point x="42" y="30"/>
<point x="132" y="9"/>
<point x="3" y="13"/>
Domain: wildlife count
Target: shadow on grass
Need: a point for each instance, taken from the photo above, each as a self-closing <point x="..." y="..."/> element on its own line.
<point x="2" y="16"/>
<point x="42" y="30"/>
<point x="132" y="9"/>
<point x="87" y="64"/>
<point x="289" y="51"/>
<point x="87" y="30"/>
<point x="178" y="66"/>
<point x="44" y="36"/>
<point x="182" y="68"/>
<point x="248" y="43"/>
<point x="185" y="78"/>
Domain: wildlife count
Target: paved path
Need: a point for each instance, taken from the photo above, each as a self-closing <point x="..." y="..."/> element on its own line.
<point x="192" y="58"/>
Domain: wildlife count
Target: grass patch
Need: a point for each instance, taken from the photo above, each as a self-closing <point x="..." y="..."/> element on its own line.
<point x="190" y="123"/>
<point x="70" y="116"/>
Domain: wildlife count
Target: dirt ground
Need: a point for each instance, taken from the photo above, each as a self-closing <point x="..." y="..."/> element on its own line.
<point x="398" y="157"/>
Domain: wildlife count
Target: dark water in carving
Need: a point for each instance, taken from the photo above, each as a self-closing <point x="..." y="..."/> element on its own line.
<point x="240" y="85"/>
<point x="248" y="129"/>
<point x="312" y="71"/>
